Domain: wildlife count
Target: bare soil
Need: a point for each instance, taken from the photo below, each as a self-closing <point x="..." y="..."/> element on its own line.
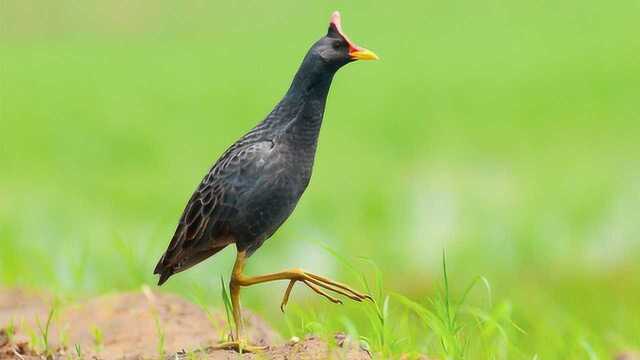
<point x="141" y="325"/>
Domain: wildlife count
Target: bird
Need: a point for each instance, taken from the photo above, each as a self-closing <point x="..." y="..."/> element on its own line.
<point x="254" y="186"/>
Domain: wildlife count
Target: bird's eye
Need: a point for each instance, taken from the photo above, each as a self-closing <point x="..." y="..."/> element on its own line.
<point x="337" y="45"/>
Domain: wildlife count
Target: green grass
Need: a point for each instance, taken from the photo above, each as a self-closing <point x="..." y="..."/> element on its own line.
<point x="486" y="333"/>
<point x="504" y="132"/>
<point x="228" y="308"/>
<point x="44" y="332"/>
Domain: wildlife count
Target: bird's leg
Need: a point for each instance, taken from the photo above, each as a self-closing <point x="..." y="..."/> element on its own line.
<point x="313" y="281"/>
<point x="234" y="289"/>
<point x="237" y="343"/>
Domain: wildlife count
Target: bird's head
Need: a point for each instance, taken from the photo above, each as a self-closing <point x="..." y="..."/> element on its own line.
<point x="336" y="49"/>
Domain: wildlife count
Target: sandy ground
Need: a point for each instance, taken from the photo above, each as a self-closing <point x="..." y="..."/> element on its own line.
<point x="141" y="326"/>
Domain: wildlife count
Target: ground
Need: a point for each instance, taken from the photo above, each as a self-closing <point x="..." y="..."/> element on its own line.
<point x="140" y="325"/>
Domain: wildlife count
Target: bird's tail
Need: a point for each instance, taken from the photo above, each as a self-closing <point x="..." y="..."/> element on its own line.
<point x="164" y="270"/>
<point x="171" y="263"/>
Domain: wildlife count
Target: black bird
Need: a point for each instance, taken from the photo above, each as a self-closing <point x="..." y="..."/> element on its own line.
<point x="255" y="185"/>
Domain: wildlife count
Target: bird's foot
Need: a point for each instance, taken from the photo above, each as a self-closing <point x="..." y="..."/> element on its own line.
<point x="316" y="282"/>
<point x="239" y="346"/>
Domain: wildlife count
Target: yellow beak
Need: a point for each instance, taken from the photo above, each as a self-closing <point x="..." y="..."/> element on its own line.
<point x="363" y="54"/>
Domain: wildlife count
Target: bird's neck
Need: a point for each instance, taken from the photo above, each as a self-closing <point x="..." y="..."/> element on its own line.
<point x="311" y="82"/>
<point x="298" y="116"/>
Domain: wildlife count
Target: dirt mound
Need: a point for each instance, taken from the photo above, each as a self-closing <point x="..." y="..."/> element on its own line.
<point x="628" y="355"/>
<point x="150" y="323"/>
<point x="140" y="325"/>
<point x="311" y="348"/>
<point x="17" y="305"/>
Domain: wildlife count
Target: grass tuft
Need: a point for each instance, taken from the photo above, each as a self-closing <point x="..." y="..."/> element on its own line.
<point x="226" y="300"/>
<point x="78" y="349"/>
<point x="45" y="330"/>
<point x="461" y="329"/>
<point x="98" y="339"/>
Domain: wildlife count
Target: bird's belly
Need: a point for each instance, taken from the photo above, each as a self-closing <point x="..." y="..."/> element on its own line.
<point x="265" y="209"/>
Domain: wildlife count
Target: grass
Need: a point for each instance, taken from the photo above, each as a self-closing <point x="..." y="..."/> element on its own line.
<point x="98" y="339"/>
<point x="458" y="338"/>
<point x="10" y="330"/>
<point x="160" y="334"/>
<point x="78" y="351"/>
<point x="44" y="332"/>
<point x="396" y="325"/>
<point x="228" y="308"/>
<point x="506" y="133"/>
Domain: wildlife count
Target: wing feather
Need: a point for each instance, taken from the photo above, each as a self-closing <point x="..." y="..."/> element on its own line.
<point x="203" y="229"/>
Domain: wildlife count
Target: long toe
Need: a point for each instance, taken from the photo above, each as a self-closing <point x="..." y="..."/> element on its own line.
<point x="320" y="292"/>
<point x="287" y="293"/>
<point x="335" y="286"/>
<point x="238" y="346"/>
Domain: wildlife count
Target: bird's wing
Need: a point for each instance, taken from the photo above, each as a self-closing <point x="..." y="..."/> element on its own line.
<point x="203" y="227"/>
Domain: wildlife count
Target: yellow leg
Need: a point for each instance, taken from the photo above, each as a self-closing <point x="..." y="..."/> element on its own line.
<point x="238" y="343"/>
<point x="315" y="282"/>
<point x="234" y="288"/>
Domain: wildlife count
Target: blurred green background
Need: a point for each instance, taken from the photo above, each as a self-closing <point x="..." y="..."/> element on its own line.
<point x="504" y="132"/>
